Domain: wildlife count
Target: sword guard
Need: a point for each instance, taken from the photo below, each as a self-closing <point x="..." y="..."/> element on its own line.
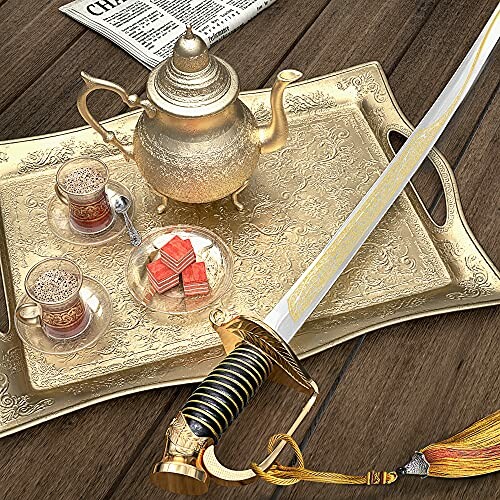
<point x="287" y="369"/>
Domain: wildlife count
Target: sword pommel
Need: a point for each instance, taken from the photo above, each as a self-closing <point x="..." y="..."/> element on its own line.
<point x="180" y="470"/>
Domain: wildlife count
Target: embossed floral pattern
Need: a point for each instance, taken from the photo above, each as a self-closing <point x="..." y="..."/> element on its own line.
<point x="476" y="285"/>
<point x="14" y="406"/>
<point x="364" y="84"/>
<point x="331" y="156"/>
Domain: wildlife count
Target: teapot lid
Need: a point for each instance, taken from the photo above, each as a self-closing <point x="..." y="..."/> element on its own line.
<point x="192" y="83"/>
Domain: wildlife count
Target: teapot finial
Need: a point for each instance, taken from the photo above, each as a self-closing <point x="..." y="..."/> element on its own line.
<point x="192" y="83"/>
<point x="189" y="32"/>
<point x="190" y="52"/>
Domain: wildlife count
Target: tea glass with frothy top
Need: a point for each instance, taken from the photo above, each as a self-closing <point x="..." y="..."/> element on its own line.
<point x="81" y="185"/>
<point x="53" y="285"/>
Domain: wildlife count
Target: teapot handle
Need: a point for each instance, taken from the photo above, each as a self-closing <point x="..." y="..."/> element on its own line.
<point x="132" y="101"/>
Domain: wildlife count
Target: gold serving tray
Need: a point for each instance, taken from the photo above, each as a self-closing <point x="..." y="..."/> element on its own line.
<point x="339" y="125"/>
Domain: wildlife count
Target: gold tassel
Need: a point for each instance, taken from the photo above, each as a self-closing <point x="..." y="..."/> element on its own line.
<point x="472" y="452"/>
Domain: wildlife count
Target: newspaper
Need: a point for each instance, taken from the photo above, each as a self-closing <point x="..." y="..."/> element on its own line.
<point x="147" y="29"/>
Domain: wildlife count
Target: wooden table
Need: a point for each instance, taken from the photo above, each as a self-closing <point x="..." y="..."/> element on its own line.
<point x="383" y="395"/>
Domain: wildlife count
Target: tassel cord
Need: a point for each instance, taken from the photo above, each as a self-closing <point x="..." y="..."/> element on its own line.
<point x="472" y="452"/>
<point x="281" y="475"/>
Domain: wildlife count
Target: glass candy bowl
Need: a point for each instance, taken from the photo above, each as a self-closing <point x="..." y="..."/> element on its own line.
<point x="208" y="248"/>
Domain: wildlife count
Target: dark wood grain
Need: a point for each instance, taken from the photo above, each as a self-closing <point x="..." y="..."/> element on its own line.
<point x="379" y="399"/>
<point x="31" y="39"/>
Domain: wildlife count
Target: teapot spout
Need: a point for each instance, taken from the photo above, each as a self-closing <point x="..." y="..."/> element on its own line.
<point x="273" y="136"/>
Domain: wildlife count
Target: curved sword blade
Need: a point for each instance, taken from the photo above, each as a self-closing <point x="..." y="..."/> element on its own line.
<point x="299" y="302"/>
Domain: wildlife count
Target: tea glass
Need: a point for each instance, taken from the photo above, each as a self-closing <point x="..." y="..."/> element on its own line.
<point x="81" y="185"/>
<point x="54" y="286"/>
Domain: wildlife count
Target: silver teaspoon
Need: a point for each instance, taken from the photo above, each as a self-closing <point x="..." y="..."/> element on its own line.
<point x="122" y="205"/>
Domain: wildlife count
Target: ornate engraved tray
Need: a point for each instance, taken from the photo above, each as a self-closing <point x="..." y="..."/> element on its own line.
<point x="338" y="145"/>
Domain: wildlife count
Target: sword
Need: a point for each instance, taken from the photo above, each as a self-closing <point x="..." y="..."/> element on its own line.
<point x="258" y="350"/>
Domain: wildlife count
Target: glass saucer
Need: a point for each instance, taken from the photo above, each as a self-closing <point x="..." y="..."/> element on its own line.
<point x="208" y="248"/>
<point x="58" y="219"/>
<point x="97" y="300"/>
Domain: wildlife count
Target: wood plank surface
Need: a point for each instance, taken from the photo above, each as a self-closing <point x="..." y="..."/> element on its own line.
<point x="381" y="396"/>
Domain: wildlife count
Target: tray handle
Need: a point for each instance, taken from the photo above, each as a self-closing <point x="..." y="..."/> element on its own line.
<point x="7" y="300"/>
<point x="445" y="173"/>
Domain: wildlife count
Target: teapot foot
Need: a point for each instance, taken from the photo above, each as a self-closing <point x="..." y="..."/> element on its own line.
<point x="160" y="209"/>
<point x="234" y="196"/>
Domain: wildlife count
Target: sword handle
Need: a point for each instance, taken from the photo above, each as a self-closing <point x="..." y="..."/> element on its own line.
<point x="255" y="353"/>
<point x="225" y="392"/>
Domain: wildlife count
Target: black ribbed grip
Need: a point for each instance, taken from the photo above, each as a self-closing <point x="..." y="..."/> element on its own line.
<point x="219" y="399"/>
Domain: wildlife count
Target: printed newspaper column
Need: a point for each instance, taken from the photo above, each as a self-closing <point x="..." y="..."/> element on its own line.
<point x="147" y="29"/>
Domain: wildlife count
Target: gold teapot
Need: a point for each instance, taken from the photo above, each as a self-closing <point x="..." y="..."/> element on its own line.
<point x="195" y="141"/>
